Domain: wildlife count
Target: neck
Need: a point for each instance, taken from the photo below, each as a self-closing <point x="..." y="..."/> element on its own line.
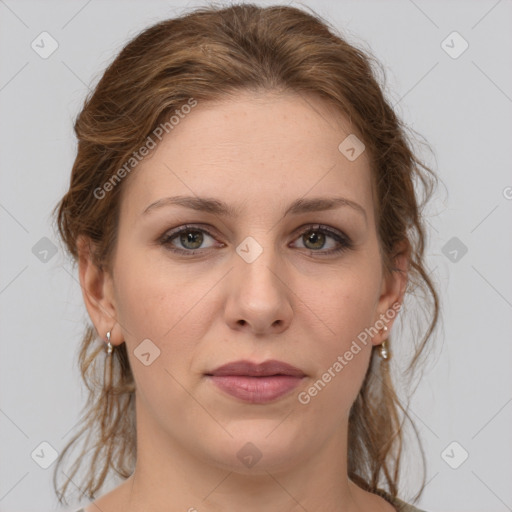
<point x="169" y="477"/>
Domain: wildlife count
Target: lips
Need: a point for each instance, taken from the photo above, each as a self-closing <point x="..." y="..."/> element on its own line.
<point x="256" y="383"/>
<point x="265" y="369"/>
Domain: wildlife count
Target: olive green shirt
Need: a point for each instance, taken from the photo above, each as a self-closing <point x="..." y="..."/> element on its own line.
<point x="400" y="505"/>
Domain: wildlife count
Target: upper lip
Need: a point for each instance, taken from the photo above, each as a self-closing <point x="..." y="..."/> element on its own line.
<point x="264" y="369"/>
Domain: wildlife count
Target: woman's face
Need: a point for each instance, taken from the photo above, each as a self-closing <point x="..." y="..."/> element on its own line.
<point x="260" y="283"/>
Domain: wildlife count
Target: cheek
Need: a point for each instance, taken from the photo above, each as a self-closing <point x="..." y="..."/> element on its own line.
<point x="169" y="309"/>
<point x="169" y="313"/>
<point x="346" y="351"/>
<point x="347" y="304"/>
<point x="150" y="301"/>
<point x="141" y="305"/>
<point x="347" y="309"/>
<point x="341" y="360"/>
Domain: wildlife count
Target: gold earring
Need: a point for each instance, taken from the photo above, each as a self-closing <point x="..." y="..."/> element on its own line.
<point x="107" y="370"/>
<point x="384" y="349"/>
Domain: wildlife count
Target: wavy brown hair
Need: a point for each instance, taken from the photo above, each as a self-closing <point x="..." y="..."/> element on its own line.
<point x="208" y="54"/>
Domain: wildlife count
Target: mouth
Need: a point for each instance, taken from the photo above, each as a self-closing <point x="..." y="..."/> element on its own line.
<point x="256" y="383"/>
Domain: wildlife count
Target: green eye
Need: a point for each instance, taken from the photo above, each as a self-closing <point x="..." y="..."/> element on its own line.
<point x="191" y="238"/>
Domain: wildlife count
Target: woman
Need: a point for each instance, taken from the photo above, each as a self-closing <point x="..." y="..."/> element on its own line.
<point x="243" y="213"/>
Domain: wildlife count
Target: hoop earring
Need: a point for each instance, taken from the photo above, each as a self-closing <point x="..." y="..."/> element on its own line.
<point x="107" y="371"/>
<point x="384" y="351"/>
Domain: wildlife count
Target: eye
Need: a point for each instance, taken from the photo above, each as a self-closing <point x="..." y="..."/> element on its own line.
<point x="314" y="238"/>
<point x="190" y="237"/>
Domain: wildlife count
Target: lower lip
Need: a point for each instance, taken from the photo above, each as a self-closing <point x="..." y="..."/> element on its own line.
<point x="256" y="390"/>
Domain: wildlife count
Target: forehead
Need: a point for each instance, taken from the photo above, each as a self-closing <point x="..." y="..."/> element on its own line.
<point x="252" y="148"/>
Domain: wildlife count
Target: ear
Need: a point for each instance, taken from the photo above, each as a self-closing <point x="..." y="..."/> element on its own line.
<point x="392" y="291"/>
<point x="98" y="293"/>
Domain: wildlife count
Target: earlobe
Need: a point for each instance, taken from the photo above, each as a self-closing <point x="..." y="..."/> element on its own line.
<point x="97" y="291"/>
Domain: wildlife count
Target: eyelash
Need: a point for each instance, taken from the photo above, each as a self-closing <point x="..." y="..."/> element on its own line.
<point x="343" y="240"/>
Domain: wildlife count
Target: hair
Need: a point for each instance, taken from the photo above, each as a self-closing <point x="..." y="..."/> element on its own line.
<point x="209" y="54"/>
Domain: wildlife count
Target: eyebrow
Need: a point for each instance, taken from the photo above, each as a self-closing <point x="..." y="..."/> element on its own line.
<point x="217" y="207"/>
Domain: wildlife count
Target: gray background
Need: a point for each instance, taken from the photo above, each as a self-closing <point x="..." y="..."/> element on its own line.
<point x="462" y="106"/>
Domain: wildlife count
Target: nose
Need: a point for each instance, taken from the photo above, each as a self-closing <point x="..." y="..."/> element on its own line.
<point x="258" y="298"/>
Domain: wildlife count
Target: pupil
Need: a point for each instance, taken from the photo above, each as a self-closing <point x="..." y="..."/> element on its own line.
<point x="314" y="237"/>
<point x="190" y="236"/>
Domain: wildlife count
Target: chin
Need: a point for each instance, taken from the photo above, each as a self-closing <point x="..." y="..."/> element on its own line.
<point x="258" y="450"/>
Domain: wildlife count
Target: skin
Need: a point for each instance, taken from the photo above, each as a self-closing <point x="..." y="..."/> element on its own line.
<point x="258" y="151"/>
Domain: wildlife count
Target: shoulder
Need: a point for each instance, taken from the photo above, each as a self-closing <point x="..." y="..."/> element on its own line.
<point x="405" y="507"/>
<point x="401" y="506"/>
<point x="113" y="500"/>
